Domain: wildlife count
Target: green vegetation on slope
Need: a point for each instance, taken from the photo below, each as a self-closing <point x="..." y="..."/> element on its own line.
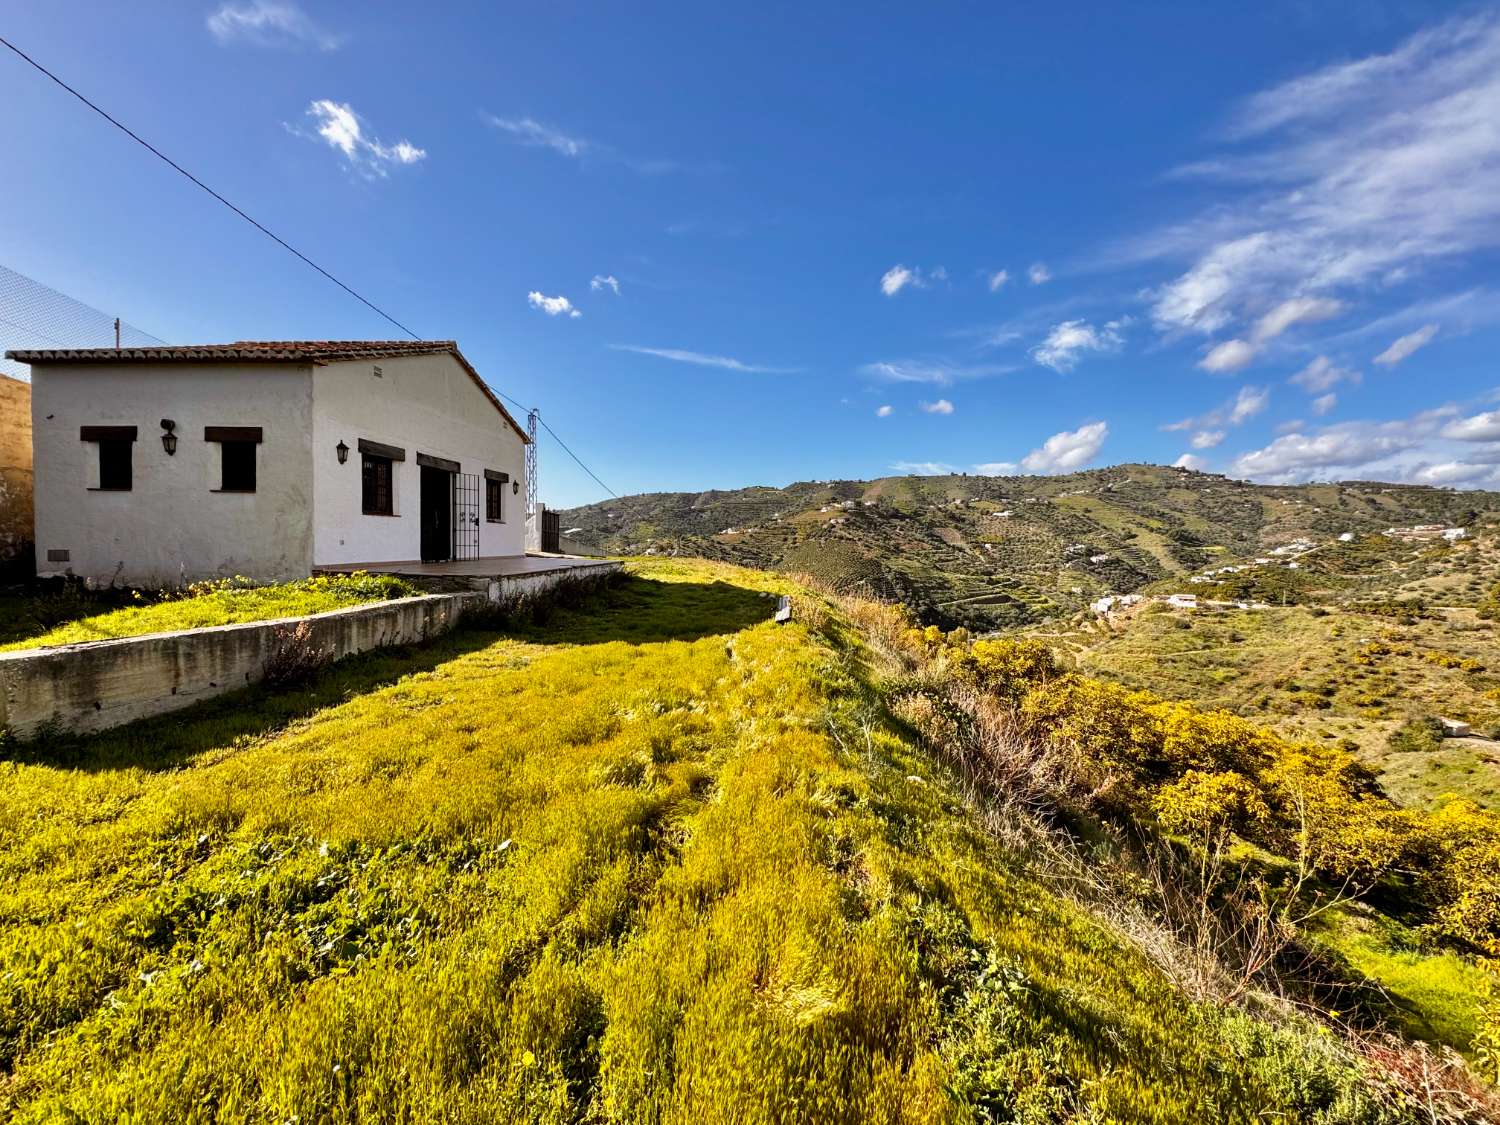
<point x="998" y="552"/>
<point x="658" y="860"/>
<point x="1328" y="674"/>
<point x="226" y="602"/>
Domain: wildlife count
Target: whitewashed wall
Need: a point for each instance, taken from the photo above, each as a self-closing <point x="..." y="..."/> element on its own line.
<point x="172" y="525"/>
<point x="425" y="404"/>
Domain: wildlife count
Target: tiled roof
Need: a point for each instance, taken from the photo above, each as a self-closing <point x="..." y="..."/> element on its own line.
<point x="267" y="351"/>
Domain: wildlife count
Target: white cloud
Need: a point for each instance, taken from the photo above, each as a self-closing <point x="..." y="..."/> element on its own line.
<point x="1455" y="472"/>
<point x="1481" y="427"/>
<point x="941" y="406"/>
<point x="1298" y="310"/>
<point x="265" y="23"/>
<point x="1391" y="450"/>
<point x="1321" y="375"/>
<point x="900" y="277"/>
<point x="552" y="306"/>
<point x="343" y="129"/>
<point x="1247" y="404"/>
<point x="1190" y="461"/>
<point x="995" y="468"/>
<point x="896" y="279"/>
<point x="602" y="281"/>
<point x="1324" y="403"/>
<point x="1070" y="340"/>
<point x="532" y="133"/>
<point x="998" y="279"/>
<point x="1231" y="355"/>
<point x="1038" y="273"/>
<point x="925" y="468"/>
<point x="700" y="359"/>
<point x="1206" y="439"/>
<point x="1069" y="450"/>
<point x="1349" y="179"/>
<point x="884" y="411"/>
<point x="1402" y="348"/>
<point x="937" y="372"/>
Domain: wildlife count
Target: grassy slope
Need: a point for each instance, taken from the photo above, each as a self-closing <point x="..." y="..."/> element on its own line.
<point x="218" y="607"/>
<point x="658" y="861"/>
<point x="1300" y="673"/>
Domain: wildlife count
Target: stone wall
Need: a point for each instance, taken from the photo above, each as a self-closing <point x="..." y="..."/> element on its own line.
<point x="16" y="512"/>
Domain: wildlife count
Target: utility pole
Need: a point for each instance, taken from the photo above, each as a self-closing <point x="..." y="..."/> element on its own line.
<point x="117" y="333"/>
<point x="531" y="420"/>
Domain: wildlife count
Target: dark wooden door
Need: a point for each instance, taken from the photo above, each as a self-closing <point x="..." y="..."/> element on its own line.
<point x="437" y="515"/>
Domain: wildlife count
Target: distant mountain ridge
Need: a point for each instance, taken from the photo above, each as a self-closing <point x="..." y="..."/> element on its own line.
<point x="990" y="552"/>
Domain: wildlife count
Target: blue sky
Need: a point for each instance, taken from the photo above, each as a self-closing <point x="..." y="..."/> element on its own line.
<point x="790" y="242"/>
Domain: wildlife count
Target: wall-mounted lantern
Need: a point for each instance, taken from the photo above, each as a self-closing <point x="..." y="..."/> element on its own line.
<point x="515" y="487"/>
<point x="343" y="451"/>
<point x="168" y="438"/>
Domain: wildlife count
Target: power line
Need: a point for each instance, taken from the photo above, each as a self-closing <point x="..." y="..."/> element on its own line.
<point x="522" y="406"/>
<point x="573" y="455"/>
<point x="148" y="146"/>
<point x="163" y="156"/>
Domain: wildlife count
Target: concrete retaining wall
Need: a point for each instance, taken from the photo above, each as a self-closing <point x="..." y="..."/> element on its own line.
<point x="101" y="684"/>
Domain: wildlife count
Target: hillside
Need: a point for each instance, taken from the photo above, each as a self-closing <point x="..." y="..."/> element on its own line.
<point x="993" y="552"/>
<point x="654" y="859"/>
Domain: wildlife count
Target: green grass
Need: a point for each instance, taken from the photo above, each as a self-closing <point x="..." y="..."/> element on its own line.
<point x="655" y="860"/>
<point x="210" y="604"/>
<point x="1429" y="995"/>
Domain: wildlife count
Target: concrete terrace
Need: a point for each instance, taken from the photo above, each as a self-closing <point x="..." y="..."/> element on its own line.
<point x="495" y="566"/>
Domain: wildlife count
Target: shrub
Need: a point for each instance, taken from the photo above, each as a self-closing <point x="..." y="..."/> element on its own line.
<point x="1419" y="734"/>
<point x="295" y="658"/>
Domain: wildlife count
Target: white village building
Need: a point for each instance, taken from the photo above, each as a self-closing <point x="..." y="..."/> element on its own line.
<point x="268" y="459"/>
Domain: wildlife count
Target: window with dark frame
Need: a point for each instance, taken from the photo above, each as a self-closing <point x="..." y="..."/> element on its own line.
<point x="377" y="493"/>
<point x="236" y="455"/>
<point x="115" y="464"/>
<point x="494" y="502"/>
<point x="115" y="455"/>
<point x="237" y="460"/>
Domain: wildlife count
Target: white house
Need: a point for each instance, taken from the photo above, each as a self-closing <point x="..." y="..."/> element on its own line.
<point x="158" y="465"/>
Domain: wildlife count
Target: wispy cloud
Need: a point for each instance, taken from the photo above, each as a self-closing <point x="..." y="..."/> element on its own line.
<point x="337" y="125"/>
<point x="997" y="280"/>
<point x="1348" y="179"/>
<point x="532" y="133"/>
<point x="600" y="282"/>
<point x="1069" y="341"/>
<point x="941" y="406"/>
<point x="1190" y="461"/>
<point x="995" y="468"/>
<point x="700" y="359"/>
<point x="1207" y="439"/>
<point x="1324" y="403"/>
<point x="940" y="373"/>
<point x="552" y="306"/>
<point x="1322" y="374"/>
<point x="900" y="277"/>
<point x="884" y="411"/>
<point x="1231" y="355"/>
<point x="269" y="23"/>
<point x="1038" y="273"/>
<point x="1404" y="347"/>
<point x="1246" y="404"/>
<point x="1069" y="450"/>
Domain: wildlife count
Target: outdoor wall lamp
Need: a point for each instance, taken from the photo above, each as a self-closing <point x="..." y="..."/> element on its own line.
<point x="515" y="487"/>
<point x="342" y="450"/>
<point x="168" y="438"/>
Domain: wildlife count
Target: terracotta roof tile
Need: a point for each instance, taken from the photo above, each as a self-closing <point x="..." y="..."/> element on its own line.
<point x="267" y="351"/>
